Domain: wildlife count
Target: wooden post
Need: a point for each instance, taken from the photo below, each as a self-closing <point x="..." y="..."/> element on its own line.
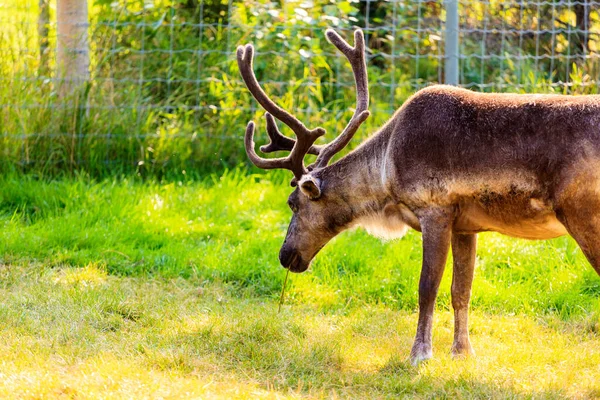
<point x="72" y="53"/>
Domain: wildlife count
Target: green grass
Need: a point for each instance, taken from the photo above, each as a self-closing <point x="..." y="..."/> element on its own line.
<point x="132" y="289"/>
<point x="229" y="229"/>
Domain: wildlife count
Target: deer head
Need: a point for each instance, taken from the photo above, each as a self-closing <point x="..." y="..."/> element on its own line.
<point x="318" y="213"/>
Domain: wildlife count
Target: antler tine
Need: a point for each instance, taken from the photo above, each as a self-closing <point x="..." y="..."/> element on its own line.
<point x="356" y="57"/>
<point x="279" y="141"/>
<point x="264" y="163"/>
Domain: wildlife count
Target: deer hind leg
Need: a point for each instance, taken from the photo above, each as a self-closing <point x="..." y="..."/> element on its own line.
<point x="581" y="217"/>
<point x="463" y="253"/>
<point x="436" y="226"/>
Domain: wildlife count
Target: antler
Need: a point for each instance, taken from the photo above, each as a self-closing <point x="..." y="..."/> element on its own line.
<point x="305" y="137"/>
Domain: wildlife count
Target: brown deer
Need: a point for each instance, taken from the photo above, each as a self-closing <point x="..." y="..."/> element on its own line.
<point x="450" y="163"/>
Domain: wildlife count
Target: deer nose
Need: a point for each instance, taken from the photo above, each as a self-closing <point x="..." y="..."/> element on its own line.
<point x="286" y="256"/>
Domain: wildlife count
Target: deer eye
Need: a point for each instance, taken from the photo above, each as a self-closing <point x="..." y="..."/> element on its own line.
<point x="292" y="206"/>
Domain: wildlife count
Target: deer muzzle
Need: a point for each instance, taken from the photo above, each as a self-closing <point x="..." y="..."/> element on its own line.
<point x="292" y="260"/>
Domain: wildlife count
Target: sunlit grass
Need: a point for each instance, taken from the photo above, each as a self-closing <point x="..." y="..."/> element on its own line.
<point x="177" y="338"/>
<point x="132" y="289"/>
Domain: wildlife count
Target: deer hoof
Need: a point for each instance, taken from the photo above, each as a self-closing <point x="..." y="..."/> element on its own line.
<point x="462" y="350"/>
<point x="419" y="353"/>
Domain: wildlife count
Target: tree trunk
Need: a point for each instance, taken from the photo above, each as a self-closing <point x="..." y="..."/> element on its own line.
<point x="72" y="53"/>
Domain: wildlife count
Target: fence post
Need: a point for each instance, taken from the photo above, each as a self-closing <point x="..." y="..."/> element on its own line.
<point x="72" y="48"/>
<point x="451" y="43"/>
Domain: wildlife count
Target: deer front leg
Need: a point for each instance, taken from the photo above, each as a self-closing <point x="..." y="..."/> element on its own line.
<point x="463" y="253"/>
<point x="436" y="227"/>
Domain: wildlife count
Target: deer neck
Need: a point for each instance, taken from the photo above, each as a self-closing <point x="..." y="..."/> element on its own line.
<point x="359" y="179"/>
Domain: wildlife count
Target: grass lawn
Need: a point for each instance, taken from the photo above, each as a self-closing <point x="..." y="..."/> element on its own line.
<point x="133" y="290"/>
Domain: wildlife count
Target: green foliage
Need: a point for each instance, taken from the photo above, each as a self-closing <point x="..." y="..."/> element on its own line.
<point x="165" y="98"/>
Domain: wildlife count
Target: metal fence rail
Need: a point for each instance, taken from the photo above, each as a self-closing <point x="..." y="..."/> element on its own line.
<point x="164" y="91"/>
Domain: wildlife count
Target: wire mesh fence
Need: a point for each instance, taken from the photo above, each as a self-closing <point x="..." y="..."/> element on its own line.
<point x="530" y="45"/>
<point x="164" y="94"/>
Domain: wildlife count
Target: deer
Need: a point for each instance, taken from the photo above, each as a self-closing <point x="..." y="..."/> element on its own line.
<point x="450" y="163"/>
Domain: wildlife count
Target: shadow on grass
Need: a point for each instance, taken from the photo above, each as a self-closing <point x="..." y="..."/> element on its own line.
<point x="322" y="355"/>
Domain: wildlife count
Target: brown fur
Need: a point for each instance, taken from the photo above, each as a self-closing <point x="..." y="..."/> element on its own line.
<point x="452" y="163"/>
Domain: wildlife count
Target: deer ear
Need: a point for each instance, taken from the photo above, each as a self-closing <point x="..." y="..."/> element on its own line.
<point x="311" y="187"/>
